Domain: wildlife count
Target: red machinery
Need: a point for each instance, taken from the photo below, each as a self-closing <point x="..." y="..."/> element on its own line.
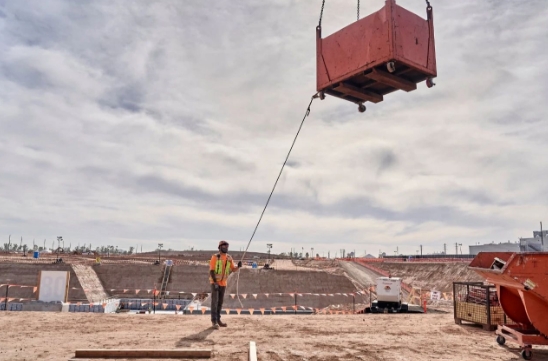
<point x="391" y="49"/>
<point x="522" y="287"/>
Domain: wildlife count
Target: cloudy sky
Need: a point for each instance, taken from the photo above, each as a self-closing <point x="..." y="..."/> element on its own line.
<point x="138" y="122"/>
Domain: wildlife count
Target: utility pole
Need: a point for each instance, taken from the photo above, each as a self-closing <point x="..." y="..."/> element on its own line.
<point x="269" y="246"/>
<point x="160" y="245"/>
<point x="9" y="243"/>
<point x="541" y="237"/>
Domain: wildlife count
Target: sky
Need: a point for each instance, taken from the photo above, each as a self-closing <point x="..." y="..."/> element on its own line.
<point x="145" y="122"/>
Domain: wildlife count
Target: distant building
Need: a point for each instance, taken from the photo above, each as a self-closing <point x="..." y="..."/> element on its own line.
<point x="538" y="243"/>
<point x="495" y="247"/>
<point x="535" y="244"/>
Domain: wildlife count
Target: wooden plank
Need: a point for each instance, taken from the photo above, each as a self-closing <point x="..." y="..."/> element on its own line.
<point x="362" y="94"/>
<point x="252" y="351"/>
<point x="143" y="353"/>
<point x="391" y="80"/>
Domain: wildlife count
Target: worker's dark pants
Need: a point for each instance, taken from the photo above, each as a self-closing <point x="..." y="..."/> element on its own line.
<point x="217" y="297"/>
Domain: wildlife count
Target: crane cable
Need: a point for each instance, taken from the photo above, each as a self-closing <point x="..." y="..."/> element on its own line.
<point x="273" y="188"/>
<point x="321" y="15"/>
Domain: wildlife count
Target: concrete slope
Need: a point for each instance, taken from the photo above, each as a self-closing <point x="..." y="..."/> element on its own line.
<point x="188" y="278"/>
<point x="90" y="283"/>
<point x="428" y="276"/>
<point x="363" y="276"/>
<point x="28" y="275"/>
<point x="131" y="277"/>
<point x="261" y="282"/>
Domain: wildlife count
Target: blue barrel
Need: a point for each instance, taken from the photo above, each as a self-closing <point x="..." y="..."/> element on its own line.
<point x="36" y="254"/>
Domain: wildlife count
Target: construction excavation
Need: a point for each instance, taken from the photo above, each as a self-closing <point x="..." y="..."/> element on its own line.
<point x="289" y="310"/>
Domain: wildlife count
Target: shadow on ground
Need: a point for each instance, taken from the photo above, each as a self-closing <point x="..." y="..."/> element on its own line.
<point x="197" y="338"/>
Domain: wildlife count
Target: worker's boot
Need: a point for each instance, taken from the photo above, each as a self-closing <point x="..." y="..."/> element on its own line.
<point x="222" y="324"/>
<point x="215" y="325"/>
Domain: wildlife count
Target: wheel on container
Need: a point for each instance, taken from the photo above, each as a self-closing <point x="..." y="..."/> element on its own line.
<point x="361" y="108"/>
<point x="527" y="354"/>
<point x="501" y="340"/>
<point x="322" y="95"/>
<point x="391" y="67"/>
<point x="430" y="82"/>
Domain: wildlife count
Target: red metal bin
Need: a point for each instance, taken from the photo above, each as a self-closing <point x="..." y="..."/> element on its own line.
<point x="388" y="50"/>
<point x="522" y="288"/>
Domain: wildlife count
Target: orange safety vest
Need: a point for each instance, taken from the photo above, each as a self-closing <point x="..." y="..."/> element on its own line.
<point x="221" y="274"/>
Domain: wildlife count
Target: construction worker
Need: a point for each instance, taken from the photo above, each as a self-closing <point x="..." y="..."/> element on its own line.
<point x="220" y="266"/>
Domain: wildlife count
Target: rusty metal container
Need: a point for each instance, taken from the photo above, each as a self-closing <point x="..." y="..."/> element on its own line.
<point x="391" y="49"/>
<point x="522" y="287"/>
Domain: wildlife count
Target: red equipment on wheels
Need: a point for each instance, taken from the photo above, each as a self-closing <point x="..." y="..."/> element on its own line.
<point x="522" y="288"/>
<point x="391" y="49"/>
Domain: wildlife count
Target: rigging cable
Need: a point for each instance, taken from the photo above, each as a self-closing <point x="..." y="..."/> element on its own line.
<point x="274" y="187"/>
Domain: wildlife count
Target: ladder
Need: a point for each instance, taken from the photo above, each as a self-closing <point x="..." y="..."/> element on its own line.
<point x="165" y="279"/>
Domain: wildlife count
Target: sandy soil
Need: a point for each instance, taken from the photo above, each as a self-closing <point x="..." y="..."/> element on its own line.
<point x="289" y="265"/>
<point x="431" y="275"/>
<point x="55" y="336"/>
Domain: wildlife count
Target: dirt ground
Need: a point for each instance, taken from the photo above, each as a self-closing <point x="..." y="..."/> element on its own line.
<point x="55" y="336"/>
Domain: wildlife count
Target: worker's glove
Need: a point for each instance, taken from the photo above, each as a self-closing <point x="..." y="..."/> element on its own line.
<point x="239" y="264"/>
<point x="215" y="286"/>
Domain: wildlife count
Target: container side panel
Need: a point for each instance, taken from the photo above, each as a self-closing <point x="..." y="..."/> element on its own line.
<point x="355" y="47"/>
<point x="412" y="37"/>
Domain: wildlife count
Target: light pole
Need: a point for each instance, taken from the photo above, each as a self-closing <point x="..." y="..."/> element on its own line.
<point x="269" y="246"/>
<point x="160" y="245"/>
<point x="59" y="239"/>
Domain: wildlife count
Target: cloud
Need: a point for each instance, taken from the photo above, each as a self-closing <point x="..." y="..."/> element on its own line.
<point x="151" y="121"/>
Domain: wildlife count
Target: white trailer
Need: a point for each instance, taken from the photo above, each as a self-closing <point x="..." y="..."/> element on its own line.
<point x="389" y="296"/>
